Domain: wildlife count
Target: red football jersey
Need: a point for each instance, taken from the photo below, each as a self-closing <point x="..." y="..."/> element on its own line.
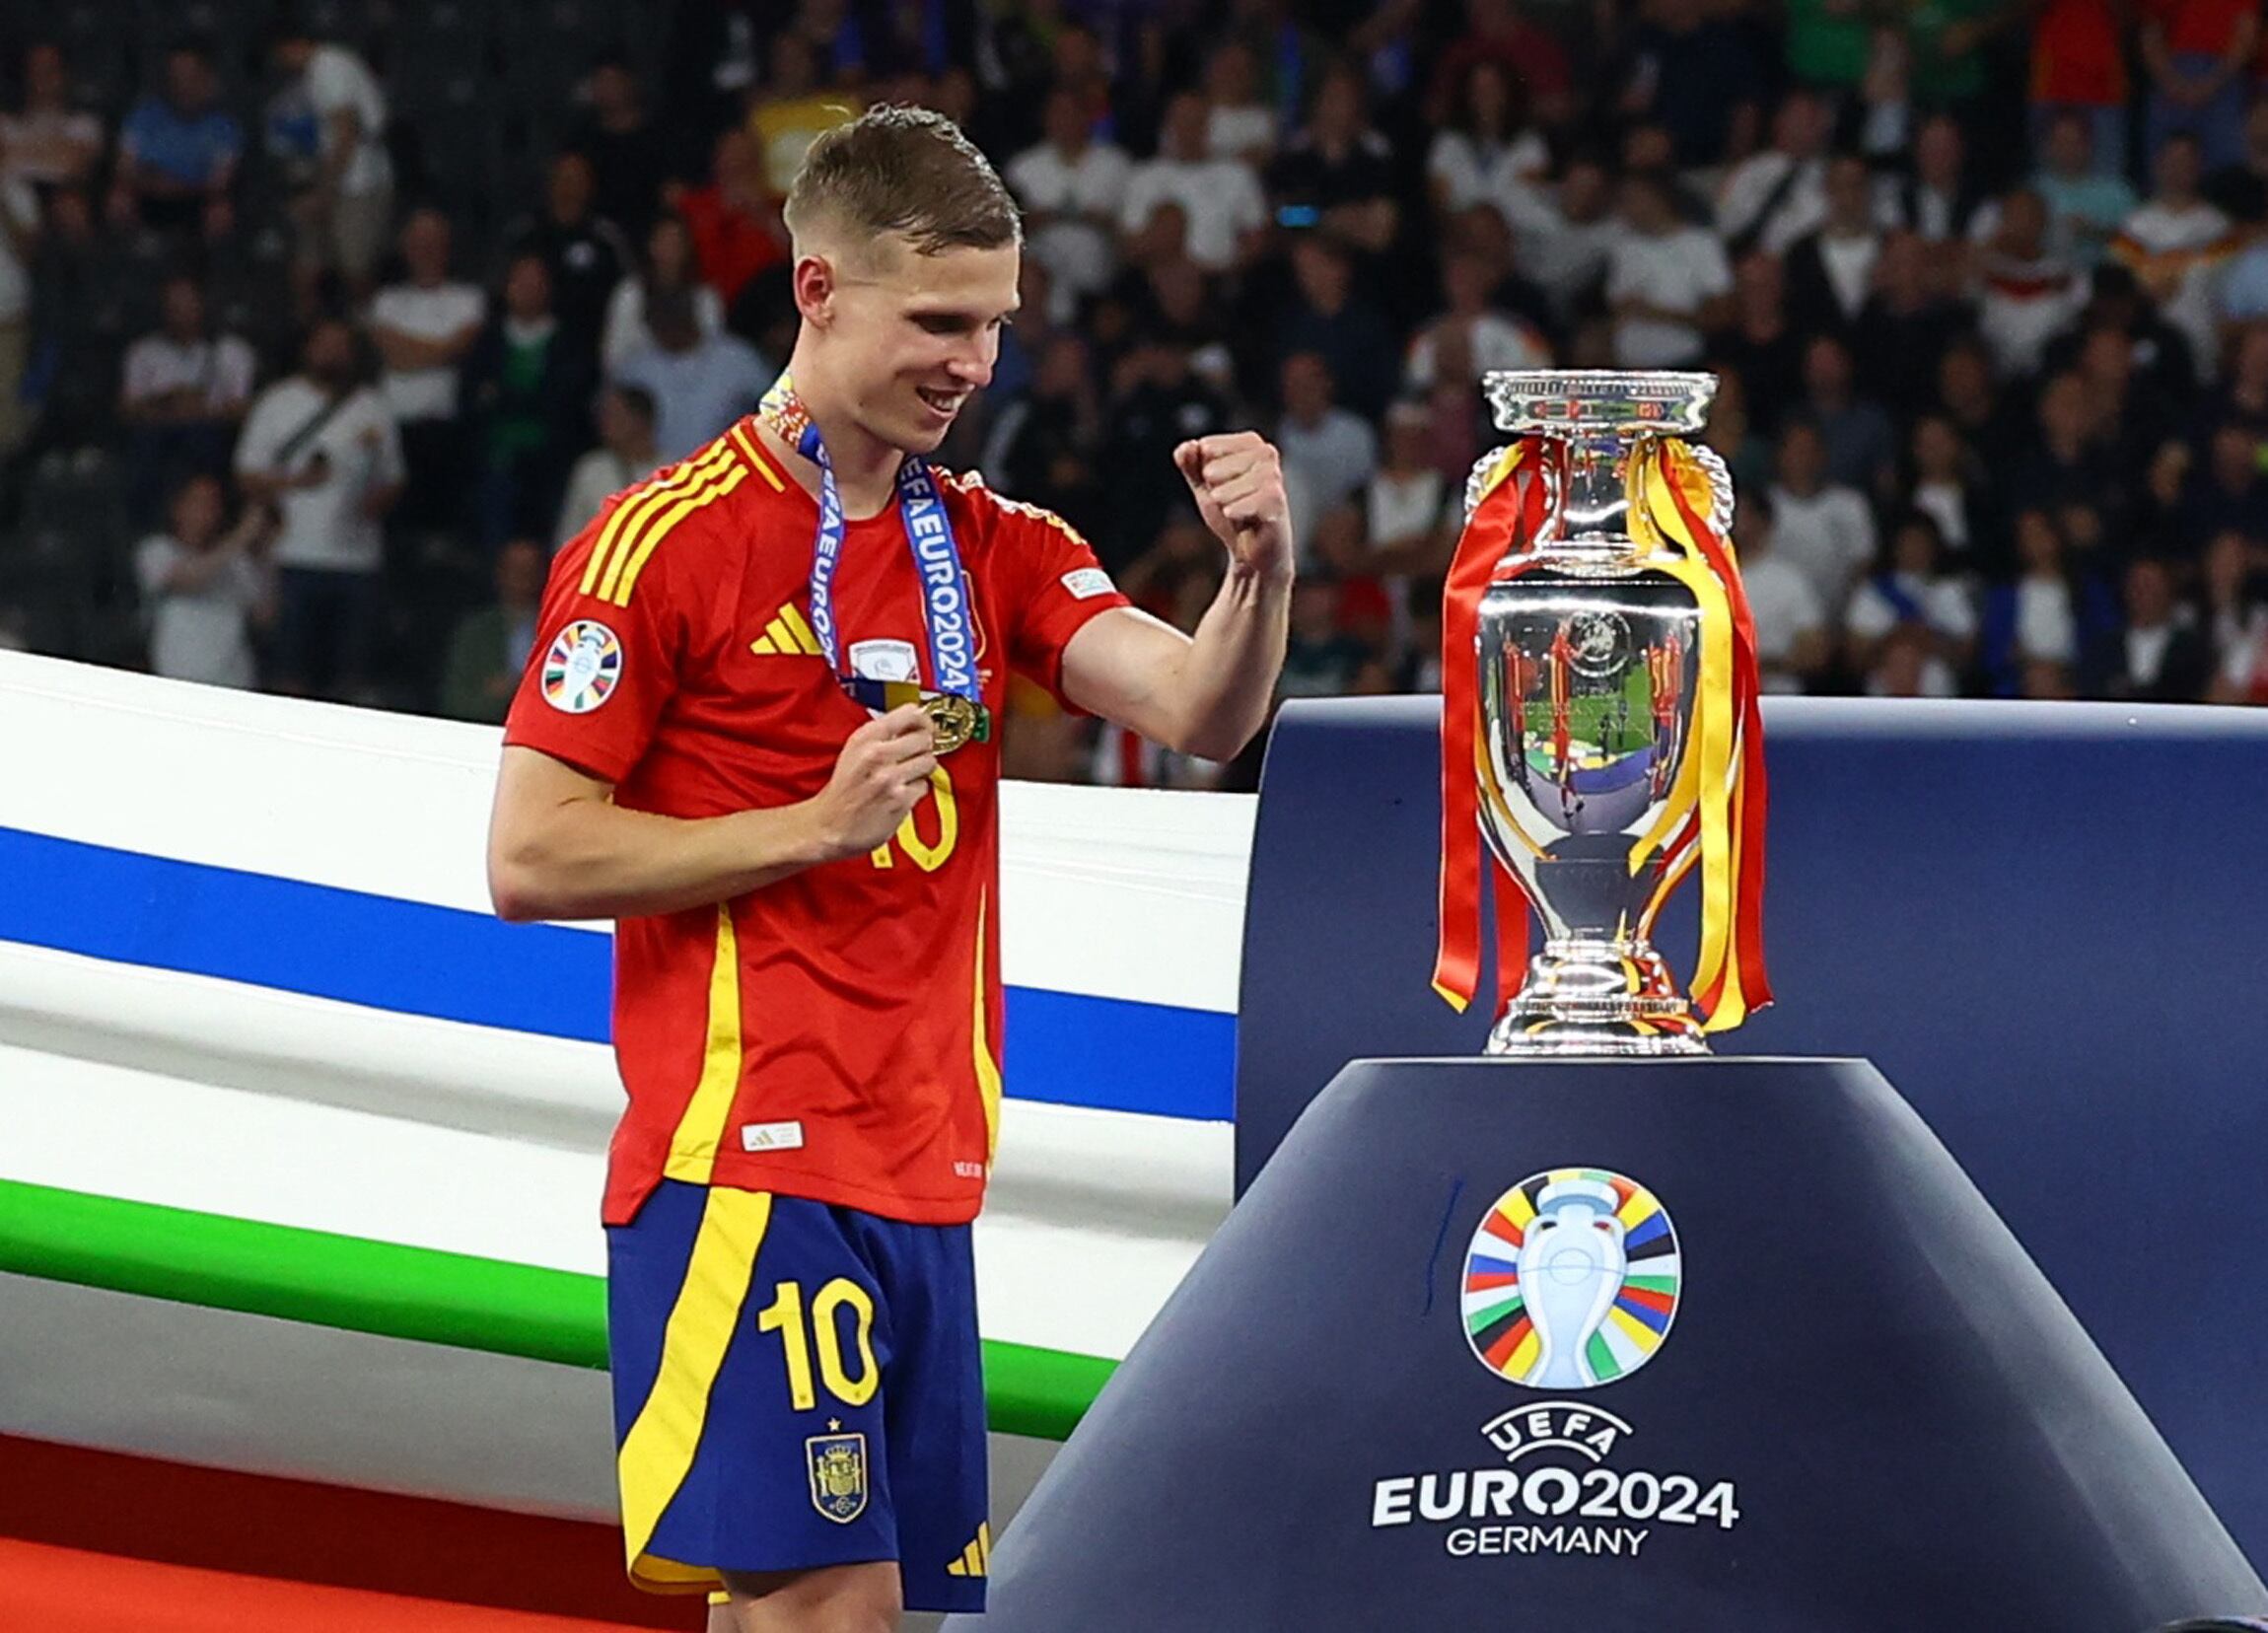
<point x="834" y="1035"/>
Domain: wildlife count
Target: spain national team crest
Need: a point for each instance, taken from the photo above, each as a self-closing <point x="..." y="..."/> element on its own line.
<point x="1572" y="1280"/>
<point x="582" y="667"/>
<point x="838" y="1476"/>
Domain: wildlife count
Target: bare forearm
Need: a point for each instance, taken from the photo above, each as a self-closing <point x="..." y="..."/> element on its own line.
<point x="1229" y="674"/>
<point x="265" y="486"/>
<point x="590" y="859"/>
<point x="339" y="152"/>
<point x="399" y="350"/>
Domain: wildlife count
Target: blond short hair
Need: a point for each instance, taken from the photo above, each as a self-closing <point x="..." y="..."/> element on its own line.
<point x="904" y="172"/>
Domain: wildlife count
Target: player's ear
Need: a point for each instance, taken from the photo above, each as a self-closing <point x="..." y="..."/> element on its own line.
<point x="815" y="286"/>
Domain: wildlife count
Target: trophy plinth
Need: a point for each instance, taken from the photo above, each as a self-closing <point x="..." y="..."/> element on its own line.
<point x="1589" y="649"/>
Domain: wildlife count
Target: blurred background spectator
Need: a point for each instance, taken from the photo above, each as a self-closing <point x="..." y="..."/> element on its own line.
<point x="207" y="584"/>
<point x="183" y="394"/>
<point x="346" y="310"/>
<point x="321" y="446"/>
<point x="178" y="152"/>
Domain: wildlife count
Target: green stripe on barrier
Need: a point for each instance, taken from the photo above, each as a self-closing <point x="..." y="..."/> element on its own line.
<point x="418" y="1293"/>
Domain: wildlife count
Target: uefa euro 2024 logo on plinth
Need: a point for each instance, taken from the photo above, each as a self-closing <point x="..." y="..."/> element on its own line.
<point x="1571" y="1281"/>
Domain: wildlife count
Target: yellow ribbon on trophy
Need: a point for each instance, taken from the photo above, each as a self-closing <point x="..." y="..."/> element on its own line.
<point x="1720" y="782"/>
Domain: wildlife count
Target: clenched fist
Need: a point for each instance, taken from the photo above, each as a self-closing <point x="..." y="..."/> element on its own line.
<point x="881" y="774"/>
<point x="1237" y="481"/>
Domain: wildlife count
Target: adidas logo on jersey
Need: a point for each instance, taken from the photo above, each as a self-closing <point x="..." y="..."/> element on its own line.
<point x="975" y="1557"/>
<point x="788" y="635"/>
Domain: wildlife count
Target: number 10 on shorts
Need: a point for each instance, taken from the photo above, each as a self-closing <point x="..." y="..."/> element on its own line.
<point x="822" y="1333"/>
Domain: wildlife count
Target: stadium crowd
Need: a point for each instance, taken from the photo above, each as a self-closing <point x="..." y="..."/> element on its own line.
<point x="320" y="332"/>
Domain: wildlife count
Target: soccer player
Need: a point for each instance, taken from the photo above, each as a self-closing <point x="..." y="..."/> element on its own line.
<point x="756" y="732"/>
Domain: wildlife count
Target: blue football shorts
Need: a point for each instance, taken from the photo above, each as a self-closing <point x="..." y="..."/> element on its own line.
<point x="795" y="1385"/>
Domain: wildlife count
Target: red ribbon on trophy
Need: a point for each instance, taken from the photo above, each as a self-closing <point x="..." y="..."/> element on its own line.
<point x="1714" y="814"/>
<point x="1511" y="509"/>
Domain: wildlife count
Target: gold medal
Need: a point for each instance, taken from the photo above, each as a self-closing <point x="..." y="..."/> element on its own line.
<point x="953" y="721"/>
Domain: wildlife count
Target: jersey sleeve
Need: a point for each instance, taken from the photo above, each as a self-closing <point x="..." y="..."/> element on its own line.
<point x="1046" y="585"/>
<point x="608" y="645"/>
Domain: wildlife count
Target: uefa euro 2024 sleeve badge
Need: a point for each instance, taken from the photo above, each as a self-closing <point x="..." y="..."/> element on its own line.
<point x="1571" y="1281"/>
<point x="582" y="668"/>
<point x="838" y="1473"/>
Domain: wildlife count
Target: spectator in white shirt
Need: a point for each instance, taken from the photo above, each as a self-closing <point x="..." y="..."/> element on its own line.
<point x="2033" y="626"/>
<point x="1492" y="339"/>
<point x="699" y="383"/>
<point x="1772" y="198"/>
<point x="422" y="328"/>
<point x="206" y="585"/>
<point x="47" y="143"/>
<point x="322" y="448"/>
<point x="1823" y="530"/>
<point x="343" y="203"/>
<point x="2176" y="245"/>
<point x="670" y="263"/>
<point x="1242" y="124"/>
<point x="1791" y="624"/>
<point x="2232" y="613"/>
<point x="1329" y="452"/>
<point x="1409" y="516"/>
<point x="183" y="391"/>
<point x="1565" y="232"/>
<point x="1220" y="199"/>
<point x="1071" y="188"/>
<point x="1914" y="593"/>
<point x="2027" y="293"/>
<point x="1484" y="151"/>
<point x="625" y="454"/>
<point x="1949" y="487"/>
<point x="1668" y="283"/>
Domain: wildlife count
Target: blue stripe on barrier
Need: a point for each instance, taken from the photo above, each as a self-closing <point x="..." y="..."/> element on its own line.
<point x="415" y="959"/>
<point x="1119" y="1055"/>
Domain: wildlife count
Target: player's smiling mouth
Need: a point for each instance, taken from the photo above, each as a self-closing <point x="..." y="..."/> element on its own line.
<point x="943" y="402"/>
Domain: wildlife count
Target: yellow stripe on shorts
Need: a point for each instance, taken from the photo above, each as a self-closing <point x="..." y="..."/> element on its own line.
<point x="657" y="1453"/>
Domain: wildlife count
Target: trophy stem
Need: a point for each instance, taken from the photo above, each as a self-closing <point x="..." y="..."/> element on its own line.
<point x="1588" y="994"/>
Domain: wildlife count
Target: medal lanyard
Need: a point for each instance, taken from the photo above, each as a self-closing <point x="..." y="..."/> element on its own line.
<point x="944" y="604"/>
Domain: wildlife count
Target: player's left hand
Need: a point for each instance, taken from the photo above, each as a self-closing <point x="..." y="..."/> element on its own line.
<point x="1237" y="481"/>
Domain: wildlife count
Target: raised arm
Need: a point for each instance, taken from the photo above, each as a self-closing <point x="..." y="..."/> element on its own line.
<point x="1204" y="696"/>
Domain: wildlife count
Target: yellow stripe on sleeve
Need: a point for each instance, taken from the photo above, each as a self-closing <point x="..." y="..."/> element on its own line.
<point x="635" y="505"/>
<point x="661" y="528"/>
<point x="657" y="1453"/>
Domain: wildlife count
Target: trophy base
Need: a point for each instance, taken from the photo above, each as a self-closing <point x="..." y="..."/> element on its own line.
<point x="1587" y="996"/>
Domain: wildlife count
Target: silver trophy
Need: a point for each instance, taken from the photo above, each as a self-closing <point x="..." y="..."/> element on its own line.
<point x="1589" y="668"/>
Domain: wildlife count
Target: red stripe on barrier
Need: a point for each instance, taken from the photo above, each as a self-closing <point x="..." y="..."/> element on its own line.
<point x="299" y="1531"/>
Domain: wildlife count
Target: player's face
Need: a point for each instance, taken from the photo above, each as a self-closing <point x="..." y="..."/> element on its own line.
<point x="918" y="334"/>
